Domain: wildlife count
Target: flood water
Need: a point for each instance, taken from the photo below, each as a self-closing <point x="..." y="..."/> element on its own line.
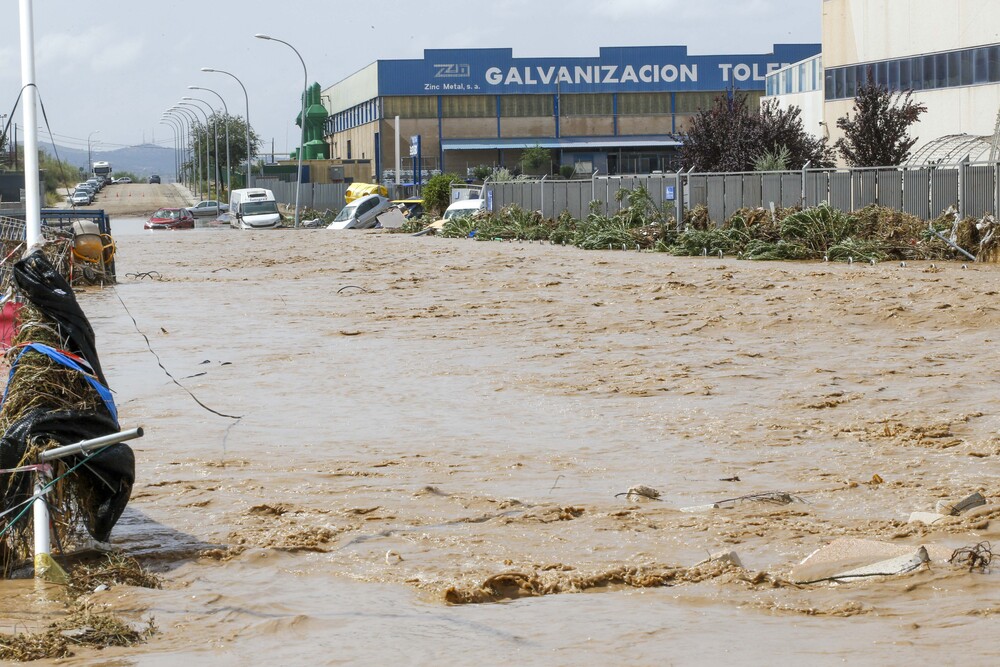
<point x="403" y="419"/>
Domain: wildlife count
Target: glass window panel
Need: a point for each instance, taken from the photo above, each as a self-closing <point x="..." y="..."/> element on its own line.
<point x="829" y="85"/>
<point x="643" y="104"/>
<point x="930" y="68"/>
<point x="862" y="73"/>
<point x="941" y="70"/>
<point x="904" y="74"/>
<point x="694" y="102"/>
<point x="882" y="74"/>
<point x="411" y="107"/>
<point x="917" y="73"/>
<point x="841" y="84"/>
<point x="587" y="104"/>
<point x="968" y="70"/>
<point x="526" y="106"/>
<point x="981" y="66"/>
<point x="954" y="68"/>
<point x="894" y="75"/>
<point x="852" y="87"/>
<point x="468" y="106"/>
<point x="994" y="64"/>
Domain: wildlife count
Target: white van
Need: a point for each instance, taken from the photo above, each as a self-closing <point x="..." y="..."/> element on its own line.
<point x="253" y="208"/>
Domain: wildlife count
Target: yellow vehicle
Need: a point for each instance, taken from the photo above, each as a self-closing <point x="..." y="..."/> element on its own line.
<point x="358" y="190"/>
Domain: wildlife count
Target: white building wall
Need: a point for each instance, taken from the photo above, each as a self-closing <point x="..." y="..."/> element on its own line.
<point x="355" y="89"/>
<point x="856" y="31"/>
<point x="862" y="31"/>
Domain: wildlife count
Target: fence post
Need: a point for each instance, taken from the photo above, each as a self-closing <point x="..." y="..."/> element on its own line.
<point x="802" y="198"/>
<point x="962" y="176"/>
<point x="541" y="187"/>
<point x="679" y="199"/>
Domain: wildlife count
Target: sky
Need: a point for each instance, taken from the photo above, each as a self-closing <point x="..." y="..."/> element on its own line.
<point x="107" y="70"/>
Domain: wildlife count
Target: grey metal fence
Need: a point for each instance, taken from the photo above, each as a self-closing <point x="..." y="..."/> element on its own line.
<point x="318" y="196"/>
<point x="973" y="189"/>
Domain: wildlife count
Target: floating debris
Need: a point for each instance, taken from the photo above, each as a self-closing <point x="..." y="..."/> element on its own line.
<point x="640" y="492"/>
<point x="976" y="557"/>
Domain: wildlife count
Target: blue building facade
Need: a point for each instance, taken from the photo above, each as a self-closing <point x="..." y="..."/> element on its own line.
<point x="622" y="111"/>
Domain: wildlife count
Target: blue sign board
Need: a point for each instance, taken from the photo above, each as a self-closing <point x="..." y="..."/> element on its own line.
<point x="616" y="69"/>
<point x="668" y="193"/>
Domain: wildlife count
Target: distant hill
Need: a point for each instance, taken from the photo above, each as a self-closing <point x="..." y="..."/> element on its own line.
<point x="141" y="160"/>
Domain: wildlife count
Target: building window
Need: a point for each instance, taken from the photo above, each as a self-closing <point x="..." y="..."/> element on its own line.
<point x="643" y="104"/>
<point x="348" y="149"/>
<point x="411" y="107"/>
<point x="526" y="106"/>
<point x="469" y="106"/>
<point x="589" y="104"/>
<point x="695" y="102"/>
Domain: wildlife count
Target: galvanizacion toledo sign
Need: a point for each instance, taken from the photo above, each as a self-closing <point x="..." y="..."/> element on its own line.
<point x="616" y="69"/>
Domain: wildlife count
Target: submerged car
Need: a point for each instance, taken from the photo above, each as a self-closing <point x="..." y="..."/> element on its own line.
<point x="208" y="207"/>
<point x="170" y="218"/>
<point x="361" y="213"/>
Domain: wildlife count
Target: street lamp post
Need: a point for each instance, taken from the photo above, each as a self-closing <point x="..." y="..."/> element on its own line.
<point x="164" y="121"/>
<point x="195" y="160"/>
<point x="188" y="109"/>
<point x="249" y="182"/>
<point x="302" y="117"/>
<point x="208" y="161"/>
<point x="229" y="187"/>
<point x="90" y="162"/>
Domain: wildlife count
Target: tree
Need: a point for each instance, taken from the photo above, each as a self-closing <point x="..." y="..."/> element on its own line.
<point x="877" y="135"/>
<point x="783" y="129"/>
<point x="237" y="144"/>
<point x="723" y="137"/>
<point x="730" y="137"/>
<point x="536" y="157"/>
<point x="436" y="193"/>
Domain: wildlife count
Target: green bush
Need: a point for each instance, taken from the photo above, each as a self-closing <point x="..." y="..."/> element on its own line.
<point x="437" y="192"/>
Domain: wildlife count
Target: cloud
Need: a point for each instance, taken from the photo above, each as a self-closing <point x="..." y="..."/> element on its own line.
<point x="95" y="49"/>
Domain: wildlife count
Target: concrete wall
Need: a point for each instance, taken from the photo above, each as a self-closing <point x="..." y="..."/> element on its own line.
<point x="528" y="127"/>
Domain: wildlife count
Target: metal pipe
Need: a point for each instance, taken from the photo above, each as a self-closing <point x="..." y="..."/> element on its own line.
<point x="85" y="446"/>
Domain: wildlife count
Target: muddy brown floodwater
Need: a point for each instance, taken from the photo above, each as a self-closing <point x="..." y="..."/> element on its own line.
<point x="432" y="433"/>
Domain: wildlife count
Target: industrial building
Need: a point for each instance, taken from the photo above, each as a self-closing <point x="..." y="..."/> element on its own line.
<point x="947" y="53"/>
<point x="623" y="111"/>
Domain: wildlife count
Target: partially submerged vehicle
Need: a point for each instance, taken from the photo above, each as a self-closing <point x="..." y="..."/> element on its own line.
<point x="253" y="208"/>
<point x="362" y="213"/>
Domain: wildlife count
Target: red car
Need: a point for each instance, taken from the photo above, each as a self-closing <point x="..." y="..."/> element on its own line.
<point x="170" y="218"/>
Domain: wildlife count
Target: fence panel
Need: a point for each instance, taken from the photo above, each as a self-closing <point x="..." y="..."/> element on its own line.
<point x="917" y="193"/>
<point x="944" y="190"/>
<point x="977" y="191"/>
<point x="715" y="195"/>
<point x="864" y="185"/>
<point x="559" y="200"/>
<point x="770" y="190"/>
<point x="817" y="188"/>
<point x="841" y="191"/>
<point x="697" y="194"/>
<point x="890" y="188"/>
<point x="732" y="194"/>
<point x="791" y="189"/>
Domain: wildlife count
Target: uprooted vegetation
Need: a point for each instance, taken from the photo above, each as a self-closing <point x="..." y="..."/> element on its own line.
<point x="84" y="624"/>
<point x="874" y="233"/>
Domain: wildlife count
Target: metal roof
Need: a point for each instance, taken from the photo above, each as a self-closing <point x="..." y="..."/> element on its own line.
<point x="950" y="149"/>
<point x="644" y="141"/>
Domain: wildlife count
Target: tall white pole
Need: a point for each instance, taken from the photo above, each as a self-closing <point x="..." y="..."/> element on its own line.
<point x="29" y="107"/>
<point x="302" y="119"/>
<point x="399" y="160"/>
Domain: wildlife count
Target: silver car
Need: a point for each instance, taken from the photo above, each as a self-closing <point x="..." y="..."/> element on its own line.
<point x="362" y="213"/>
